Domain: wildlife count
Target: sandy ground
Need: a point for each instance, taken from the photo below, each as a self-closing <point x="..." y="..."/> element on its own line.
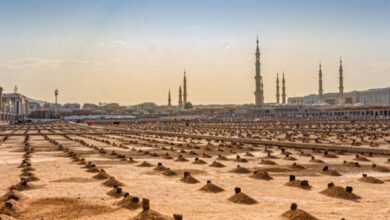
<point x="62" y="179"/>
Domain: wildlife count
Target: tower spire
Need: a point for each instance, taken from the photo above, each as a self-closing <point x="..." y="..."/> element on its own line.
<point x="259" y="94"/>
<point x="320" y="90"/>
<point x="1" y="99"/>
<point x="277" y="89"/>
<point x="341" y="83"/>
<point x="180" y="98"/>
<point x="169" y="98"/>
<point x="185" y="88"/>
<point x="283" y="90"/>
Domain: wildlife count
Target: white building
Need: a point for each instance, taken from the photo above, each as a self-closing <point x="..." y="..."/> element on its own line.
<point x="379" y="97"/>
<point x="14" y="104"/>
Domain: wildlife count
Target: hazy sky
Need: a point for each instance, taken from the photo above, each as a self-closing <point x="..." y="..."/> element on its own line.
<point x="134" y="51"/>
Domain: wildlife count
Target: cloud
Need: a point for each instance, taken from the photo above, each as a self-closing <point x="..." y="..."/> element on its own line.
<point x="379" y="66"/>
<point x="193" y="28"/>
<point x="224" y="46"/>
<point x="31" y="62"/>
<point x="34" y="62"/>
<point x="28" y="64"/>
<point x="121" y="44"/>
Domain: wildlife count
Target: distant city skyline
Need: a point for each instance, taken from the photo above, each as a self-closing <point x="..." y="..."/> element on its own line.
<point x="131" y="52"/>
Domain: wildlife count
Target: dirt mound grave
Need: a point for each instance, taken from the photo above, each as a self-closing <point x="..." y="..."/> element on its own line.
<point x="199" y="161"/>
<point x="145" y="164"/>
<point x="12" y="195"/>
<point x="241" y="198"/>
<point x="340" y="192"/>
<point x="116" y="192"/>
<point x="378" y="168"/>
<point x="239" y="159"/>
<point x="30" y="177"/>
<point x="241" y="170"/>
<point x="293" y="182"/>
<point x="221" y="157"/>
<point x="131" y="160"/>
<point x="181" y="158"/>
<point x="296" y="166"/>
<point x="129" y="202"/>
<point x="297" y="214"/>
<point x="211" y="187"/>
<point x="169" y="172"/>
<point x="351" y="164"/>
<point x="361" y="158"/>
<point x="11" y="208"/>
<point x="160" y="167"/>
<point x="370" y="179"/>
<point x="22" y="185"/>
<point x="329" y="172"/>
<point x="187" y="178"/>
<point x="314" y="160"/>
<point x="288" y="157"/>
<point x="217" y="164"/>
<point x="261" y="174"/>
<point x="148" y="214"/>
<point x="111" y="182"/>
<point x="248" y="154"/>
<point x="267" y="162"/>
<point x="101" y="175"/>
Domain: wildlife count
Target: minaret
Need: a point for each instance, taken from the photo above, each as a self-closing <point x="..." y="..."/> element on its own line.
<point x="1" y="99"/>
<point x="261" y="89"/>
<point x="341" y="84"/>
<point x="277" y="89"/>
<point x="169" y="98"/>
<point x="259" y="95"/>
<point x="185" y="88"/>
<point x="320" y="90"/>
<point x="180" y="98"/>
<point x="283" y="90"/>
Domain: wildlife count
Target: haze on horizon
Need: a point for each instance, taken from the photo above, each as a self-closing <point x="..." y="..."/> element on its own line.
<point x="135" y="51"/>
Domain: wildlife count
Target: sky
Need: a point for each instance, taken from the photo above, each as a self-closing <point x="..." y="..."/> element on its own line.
<point x="134" y="51"/>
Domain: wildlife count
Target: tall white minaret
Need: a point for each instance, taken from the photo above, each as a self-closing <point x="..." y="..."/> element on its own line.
<point x="277" y="89"/>
<point x="283" y="90"/>
<point x="341" y="84"/>
<point x="259" y="93"/>
<point x="320" y="89"/>
<point x="169" y="98"/>
<point x="180" y="98"/>
<point x="185" y="88"/>
<point x="1" y="99"/>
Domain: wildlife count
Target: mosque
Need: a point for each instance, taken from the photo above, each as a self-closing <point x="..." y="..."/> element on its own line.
<point x="378" y="97"/>
<point x="183" y="95"/>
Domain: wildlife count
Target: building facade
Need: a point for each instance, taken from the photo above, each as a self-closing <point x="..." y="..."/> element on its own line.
<point x="375" y="97"/>
<point x="379" y="97"/>
<point x="14" y="106"/>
